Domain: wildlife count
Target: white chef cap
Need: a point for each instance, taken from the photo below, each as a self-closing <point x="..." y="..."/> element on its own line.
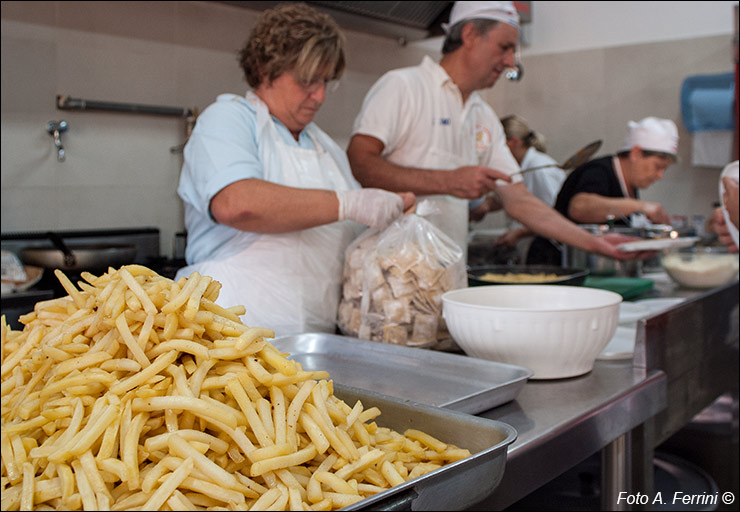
<point x="652" y="134"/>
<point x="501" y="11"/>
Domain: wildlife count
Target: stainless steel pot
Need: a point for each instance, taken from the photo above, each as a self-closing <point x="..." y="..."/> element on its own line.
<point x="605" y="266"/>
<point x="602" y="265"/>
<point x="81" y="257"/>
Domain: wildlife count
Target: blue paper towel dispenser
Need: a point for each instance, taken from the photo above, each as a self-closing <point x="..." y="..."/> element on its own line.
<point x="707" y="102"/>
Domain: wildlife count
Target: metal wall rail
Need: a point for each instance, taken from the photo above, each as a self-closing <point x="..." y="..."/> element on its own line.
<point x="69" y="103"/>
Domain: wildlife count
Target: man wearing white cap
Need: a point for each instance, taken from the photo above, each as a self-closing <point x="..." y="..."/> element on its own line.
<point x="425" y="129"/>
<point x="609" y="187"/>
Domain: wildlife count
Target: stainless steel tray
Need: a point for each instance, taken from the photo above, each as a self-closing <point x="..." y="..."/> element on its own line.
<point x="456" y="486"/>
<point x="440" y="379"/>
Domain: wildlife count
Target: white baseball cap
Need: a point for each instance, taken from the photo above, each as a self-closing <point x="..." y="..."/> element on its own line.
<point x="500" y="11"/>
<point x="652" y="134"/>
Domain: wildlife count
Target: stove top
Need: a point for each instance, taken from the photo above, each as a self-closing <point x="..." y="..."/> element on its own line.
<point x="146" y="241"/>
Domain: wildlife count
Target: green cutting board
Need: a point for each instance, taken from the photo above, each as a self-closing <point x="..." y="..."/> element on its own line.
<point x="627" y="287"/>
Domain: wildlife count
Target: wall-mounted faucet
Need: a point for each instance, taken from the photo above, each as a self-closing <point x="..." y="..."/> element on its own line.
<point x="55" y="129"/>
<point x="516" y="73"/>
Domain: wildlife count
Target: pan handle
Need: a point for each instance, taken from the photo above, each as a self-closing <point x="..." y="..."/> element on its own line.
<point x="400" y="501"/>
<point x="70" y="259"/>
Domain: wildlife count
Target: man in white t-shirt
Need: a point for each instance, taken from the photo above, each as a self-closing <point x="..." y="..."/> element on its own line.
<point x="425" y="129"/>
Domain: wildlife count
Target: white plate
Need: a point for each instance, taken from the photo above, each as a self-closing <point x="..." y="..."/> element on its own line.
<point x="732" y="171"/>
<point x="658" y="244"/>
<point x="622" y="344"/>
<point x="630" y="312"/>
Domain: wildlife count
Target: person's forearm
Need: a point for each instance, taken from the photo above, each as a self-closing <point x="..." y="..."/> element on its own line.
<point x="594" y="208"/>
<point x="375" y="171"/>
<point x="372" y="170"/>
<point x="263" y="207"/>
<point x="542" y="219"/>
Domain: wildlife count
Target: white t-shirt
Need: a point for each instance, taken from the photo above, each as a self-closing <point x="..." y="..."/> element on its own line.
<point x="543" y="183"/>
<point x="418" y="109"/>
<point x="223" y="149"/>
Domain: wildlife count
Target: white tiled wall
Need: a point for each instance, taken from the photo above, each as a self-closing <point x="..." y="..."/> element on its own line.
<point x="119" y="171"/>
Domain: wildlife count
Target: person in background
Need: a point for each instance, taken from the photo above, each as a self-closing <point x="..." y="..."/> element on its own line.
<point x="730" y="198"/>
<point x="425" y="129"/>
<point x="607" y="189"/>
<point x="270" y="201"/>
<point x="720" y="224"/>
<point x="530" y="151"/>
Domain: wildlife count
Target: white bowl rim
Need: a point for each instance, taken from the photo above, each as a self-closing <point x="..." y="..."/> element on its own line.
<point x="449" y="297"/>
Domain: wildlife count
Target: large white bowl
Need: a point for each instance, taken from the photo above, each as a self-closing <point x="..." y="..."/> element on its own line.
<point x="555" y="331"/>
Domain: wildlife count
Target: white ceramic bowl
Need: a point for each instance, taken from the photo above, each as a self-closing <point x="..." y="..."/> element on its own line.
<point x="701" y="267"/>
<point x="555" y="331"/>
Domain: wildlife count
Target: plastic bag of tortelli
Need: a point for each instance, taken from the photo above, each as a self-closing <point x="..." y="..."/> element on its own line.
<point x="349" y="317"/>
<point x="397" y="278"/>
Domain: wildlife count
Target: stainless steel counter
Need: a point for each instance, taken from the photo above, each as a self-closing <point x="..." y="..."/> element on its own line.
<point x="696" y="344"/>
<point x="562" y="422"/>
<point x="684" y="359"/>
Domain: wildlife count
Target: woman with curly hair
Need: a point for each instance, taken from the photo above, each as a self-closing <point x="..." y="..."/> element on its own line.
<point x="270" y="200"/>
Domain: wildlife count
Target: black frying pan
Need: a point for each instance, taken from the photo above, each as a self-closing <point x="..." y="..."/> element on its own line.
<point x="569" y="276"/>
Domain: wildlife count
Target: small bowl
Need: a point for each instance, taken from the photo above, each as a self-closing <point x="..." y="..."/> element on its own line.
<point x="701" y="267"/>
<point x="555" y="331"/>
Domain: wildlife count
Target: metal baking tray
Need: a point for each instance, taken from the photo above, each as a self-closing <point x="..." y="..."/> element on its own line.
<point x="439" y="379"/>
<point x="456" y="486"/>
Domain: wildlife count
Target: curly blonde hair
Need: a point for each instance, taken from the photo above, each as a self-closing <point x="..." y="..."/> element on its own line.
<point x="293" y="37"/>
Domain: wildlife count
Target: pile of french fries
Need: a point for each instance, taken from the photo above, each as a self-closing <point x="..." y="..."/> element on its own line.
<point x="139" y="392"/>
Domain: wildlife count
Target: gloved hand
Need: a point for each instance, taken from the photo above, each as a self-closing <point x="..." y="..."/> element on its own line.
<point x="372" y="207"/>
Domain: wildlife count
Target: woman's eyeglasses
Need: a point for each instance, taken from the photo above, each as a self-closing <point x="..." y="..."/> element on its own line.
<point x="314" y="85"/>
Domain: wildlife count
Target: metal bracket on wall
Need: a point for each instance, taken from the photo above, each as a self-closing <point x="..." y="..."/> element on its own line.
<point x="55" y="129"/>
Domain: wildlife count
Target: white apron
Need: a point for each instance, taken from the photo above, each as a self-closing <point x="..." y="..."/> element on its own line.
<point x="452" y="212"/>
<point x="288" y="282"/>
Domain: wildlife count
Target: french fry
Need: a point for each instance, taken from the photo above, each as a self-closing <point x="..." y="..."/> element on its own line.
<point x="294" y="410"/>
<point x="283" y="461"/>
<point x="135" y="287"/>
<point x="268" y="452"/>
<point x="87" y="462"/>
<point x="424" y="438"/>
<point x="237" y="391"/>
<point x="89" y="501"/>
<point x="277" y="401"/>
<point x="180" y="447"/>
<point x="317" y="436"/>
<point x="334" y="482"/>
<point x="178" y="501"/>
<point x="138" y="391"/>
<point x="267" y="499"/>
<point x="339" y="500"/>
<point x="131" y="343"/>
<point x="28" y="488"/>
<point x="368" y="459"/>
<point x="169" y="485"/>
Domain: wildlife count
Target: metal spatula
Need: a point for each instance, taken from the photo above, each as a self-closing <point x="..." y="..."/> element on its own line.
<point x="580" y="158"/>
